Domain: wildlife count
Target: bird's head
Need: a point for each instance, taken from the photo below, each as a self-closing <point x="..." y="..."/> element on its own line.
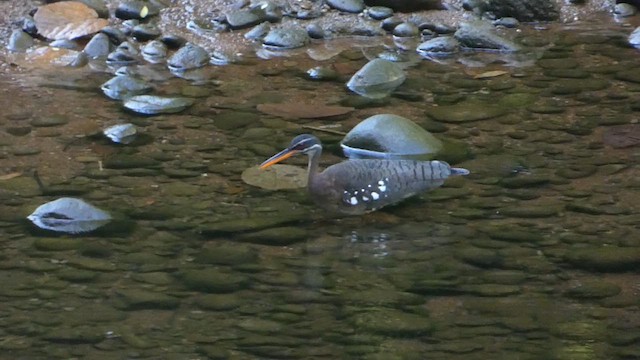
<point x="301" y="144"/>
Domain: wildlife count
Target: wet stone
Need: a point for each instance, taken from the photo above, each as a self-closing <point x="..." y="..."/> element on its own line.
<point x="134" y="9"/>
<point x="242" y="19"/>
<point x="285" y="38"/>
<point x="19" y="41"/>
<point x="98" y="46"/>
<point x="351" y="6"/>
<point x="406" y="30"/>
<point x="143" y="299"/>
<point x="145" y="32"/>
<point x="379" y="12"/>
<point x="214" y="281"/>
<point x="392" y="322"/>
<point x="593" y="289"/>
<point x="48" y="121"/>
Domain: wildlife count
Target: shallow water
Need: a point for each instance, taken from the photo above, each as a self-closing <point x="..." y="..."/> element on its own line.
<point x="534" y="255"/>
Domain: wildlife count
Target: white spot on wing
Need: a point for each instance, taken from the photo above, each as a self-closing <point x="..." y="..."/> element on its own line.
<point x="375" y="196"/>
<point x="353" y="201"/>
<point x="382" y="188"/>
<point x="365" y="198"/>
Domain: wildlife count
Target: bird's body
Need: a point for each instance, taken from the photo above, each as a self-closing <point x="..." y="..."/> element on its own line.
<point x="356" y="187"/>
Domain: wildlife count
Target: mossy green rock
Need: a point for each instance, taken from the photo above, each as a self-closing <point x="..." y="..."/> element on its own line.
<point x="57" y="244"/>
<point x="75" y="335"/>
<point x="380" y="297"/>
<point x="227" y="254"/>
<point x="465" y="112"/>
<point x="143" y="299"/>
<point x="392" y="322"/>
<point x="276" y="236"/>
<point x="219" y="302"/>
<point x="593" y="289"/>
<point x="249" y="224"/>
<point x="530" y="211"/>
<point x="230" y="120"/>
<point x="605" y="258"/>
<point x="214" y="281"/>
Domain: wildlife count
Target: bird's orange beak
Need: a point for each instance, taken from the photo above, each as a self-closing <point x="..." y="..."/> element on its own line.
<point x="282" y="155"/>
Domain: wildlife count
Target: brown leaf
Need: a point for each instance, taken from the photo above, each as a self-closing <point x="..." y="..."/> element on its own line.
<point x="276" y="177"/>
<point x="303" y="111"/>
<point x="490" y="74"/>
<point x="67" y="20"/>
<point x="622" y="136"/>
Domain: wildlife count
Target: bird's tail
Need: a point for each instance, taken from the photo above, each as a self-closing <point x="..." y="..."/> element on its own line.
<point x="459" y="171"/>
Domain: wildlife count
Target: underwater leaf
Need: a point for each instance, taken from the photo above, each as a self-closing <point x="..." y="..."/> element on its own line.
<point x="622" y="136"/>
<point x="490" y="74"/>
<point x="276" y="177"/>
<point x="67" y="20"/>
<point x="69" y="215"/>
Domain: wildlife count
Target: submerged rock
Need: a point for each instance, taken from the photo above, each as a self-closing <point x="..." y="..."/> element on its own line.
<point x="439" y="46"/>
<point x="377" y="79"/>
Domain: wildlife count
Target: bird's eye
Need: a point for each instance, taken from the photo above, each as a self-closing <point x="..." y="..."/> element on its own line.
<point x="300" y="146"/>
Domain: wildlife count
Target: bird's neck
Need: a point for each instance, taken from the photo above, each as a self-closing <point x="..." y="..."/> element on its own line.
<point x="314" y="165"/>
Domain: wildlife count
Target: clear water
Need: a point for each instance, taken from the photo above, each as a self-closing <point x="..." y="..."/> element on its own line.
<point x="535" y="255"/>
